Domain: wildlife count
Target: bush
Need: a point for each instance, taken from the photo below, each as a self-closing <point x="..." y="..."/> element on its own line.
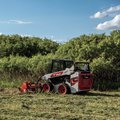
<point x="30" y="57"/>
<point x="105" y="76"/>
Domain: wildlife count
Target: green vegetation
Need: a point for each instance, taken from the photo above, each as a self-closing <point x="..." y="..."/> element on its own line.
<point x="93" y="106"/>
<point x="25" y="46"/>
<point x="27" y="58"/>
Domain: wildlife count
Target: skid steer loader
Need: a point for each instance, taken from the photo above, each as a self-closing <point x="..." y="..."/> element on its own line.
<point x="64" y="76"/>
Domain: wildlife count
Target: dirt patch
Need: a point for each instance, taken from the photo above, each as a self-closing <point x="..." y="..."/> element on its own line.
<point x="10" y="91"/>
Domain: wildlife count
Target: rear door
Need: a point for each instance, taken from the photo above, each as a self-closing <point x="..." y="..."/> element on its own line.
<point x="85" y="81"/>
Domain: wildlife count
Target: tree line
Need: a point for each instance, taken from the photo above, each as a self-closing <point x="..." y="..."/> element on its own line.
<point x="30" y="56"/>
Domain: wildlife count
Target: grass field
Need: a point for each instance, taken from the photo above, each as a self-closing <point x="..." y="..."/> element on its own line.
<point x="92" y="106"/>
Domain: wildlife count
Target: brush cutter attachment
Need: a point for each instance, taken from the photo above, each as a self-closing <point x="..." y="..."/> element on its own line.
<point x="30" y="87"/>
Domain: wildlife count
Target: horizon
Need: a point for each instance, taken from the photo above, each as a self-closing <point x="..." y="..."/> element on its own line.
<point x="61" y="42"/>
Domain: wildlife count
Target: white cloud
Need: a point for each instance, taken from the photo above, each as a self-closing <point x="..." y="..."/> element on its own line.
<point x="113" y="9"/>
<point x="19" y="22"/>
<point x="15" y="22"/>
<point x="99" y="15"/>
<point x="1" y="33"/>
<point x="107" y="12"/>
<point x="114" y="23"/>
<point x="109" y="25"/>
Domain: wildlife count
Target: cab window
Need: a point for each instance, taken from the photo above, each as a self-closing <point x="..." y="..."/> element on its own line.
<point x="57" y="66"/>
<point x="69" y="64"/>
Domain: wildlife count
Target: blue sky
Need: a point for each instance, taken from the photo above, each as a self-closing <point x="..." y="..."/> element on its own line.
<point x="60" y="20"/>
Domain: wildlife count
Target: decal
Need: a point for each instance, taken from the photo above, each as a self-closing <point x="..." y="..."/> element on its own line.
<point x="57" y="74"/>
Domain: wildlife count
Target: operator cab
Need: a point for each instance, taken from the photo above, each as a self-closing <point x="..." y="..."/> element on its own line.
<point x="60" y="64"/>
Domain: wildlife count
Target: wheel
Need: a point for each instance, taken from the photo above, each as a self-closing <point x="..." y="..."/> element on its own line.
<point x="46" y="87"/>
<point x="62" y="89"/>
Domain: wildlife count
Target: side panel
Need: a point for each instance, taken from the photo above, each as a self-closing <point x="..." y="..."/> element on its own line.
<point x="85" y="81"/>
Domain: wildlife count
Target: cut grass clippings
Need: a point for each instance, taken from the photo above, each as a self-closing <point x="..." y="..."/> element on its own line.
<point x="93" y="106"/>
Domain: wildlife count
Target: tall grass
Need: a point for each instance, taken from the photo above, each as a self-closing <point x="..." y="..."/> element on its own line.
<point x="15" y="69"/>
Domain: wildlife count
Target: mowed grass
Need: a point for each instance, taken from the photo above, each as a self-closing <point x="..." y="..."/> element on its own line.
<point x="91" y="106"/>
